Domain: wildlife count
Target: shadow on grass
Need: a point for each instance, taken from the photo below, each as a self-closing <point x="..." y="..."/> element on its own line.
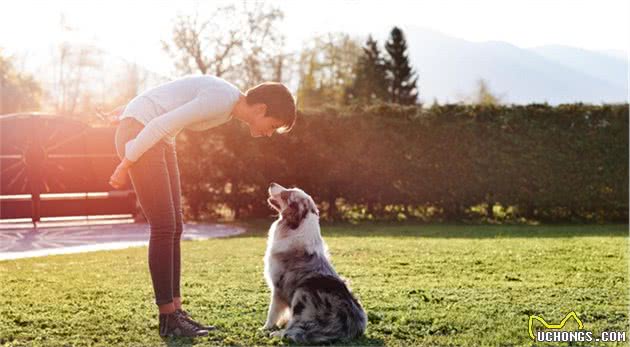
<point x="178" y="341"/>
<point x="363" y="341"/>
<point x="258" y="228"/>
<point x="368" y="342"/>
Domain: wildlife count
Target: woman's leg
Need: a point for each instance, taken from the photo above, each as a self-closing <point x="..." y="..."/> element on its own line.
<point x="173" y="171"/>
<point x="151" y="182"/>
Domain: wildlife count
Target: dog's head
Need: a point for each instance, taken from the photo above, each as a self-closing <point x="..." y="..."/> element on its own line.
<point x="293" y="204"/>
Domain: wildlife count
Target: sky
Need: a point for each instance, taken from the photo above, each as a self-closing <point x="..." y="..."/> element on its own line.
<point x="133" y="30"/>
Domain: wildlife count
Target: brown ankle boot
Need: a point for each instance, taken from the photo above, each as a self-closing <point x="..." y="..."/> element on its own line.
<point x="174" y="324"/>
<point x="191" y="321"/>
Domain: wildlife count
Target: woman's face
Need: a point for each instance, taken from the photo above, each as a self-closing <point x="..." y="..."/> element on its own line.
<point x="264" y="126"/>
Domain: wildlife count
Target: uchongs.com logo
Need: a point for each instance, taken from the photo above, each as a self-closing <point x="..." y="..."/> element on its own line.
<point x="552" y="332"/>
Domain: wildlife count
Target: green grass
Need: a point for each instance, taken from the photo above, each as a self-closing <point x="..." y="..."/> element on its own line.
<point x="421" y="285"/>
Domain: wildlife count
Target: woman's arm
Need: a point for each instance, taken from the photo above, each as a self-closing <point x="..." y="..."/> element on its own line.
<point x="125" y="163"/>
<point x="196" y="110"/>
<point x="111" y="116"/>
<point x="118" y="110"/>
<point x="119" y="177"/>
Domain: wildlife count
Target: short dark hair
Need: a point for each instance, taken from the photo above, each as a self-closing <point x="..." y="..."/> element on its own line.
<point x="280" y="103"/>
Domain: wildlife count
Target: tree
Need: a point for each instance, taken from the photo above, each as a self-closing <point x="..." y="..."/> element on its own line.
<point x="403" y="79"/>
<point x="75" y="66"/>
<point x="263" y="58"/>
<point x="483" y="95"/>
<point x="309" y="92"/>
<point x="18" y="91"/>
<point x="241" y="43"/>
<point x="370" y="81"/>
<point x="326" y="69"/>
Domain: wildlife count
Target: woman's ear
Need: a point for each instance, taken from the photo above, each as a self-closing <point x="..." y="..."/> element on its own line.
<point x="261" y="109"/>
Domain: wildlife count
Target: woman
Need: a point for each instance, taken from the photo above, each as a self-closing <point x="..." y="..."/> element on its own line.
<point x="145" y="143"/>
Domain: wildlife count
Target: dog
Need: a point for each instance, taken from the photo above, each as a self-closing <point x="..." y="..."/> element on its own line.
<point x="307" y="294"/>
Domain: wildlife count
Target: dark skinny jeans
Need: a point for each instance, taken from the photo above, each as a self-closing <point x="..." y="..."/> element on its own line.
<point x="155" y="179"/>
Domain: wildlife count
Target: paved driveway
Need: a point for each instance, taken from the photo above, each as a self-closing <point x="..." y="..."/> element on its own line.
<point x="33" y="242"/>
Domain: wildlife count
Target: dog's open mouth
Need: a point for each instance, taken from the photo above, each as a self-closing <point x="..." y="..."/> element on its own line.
<point x="274" y="203"/>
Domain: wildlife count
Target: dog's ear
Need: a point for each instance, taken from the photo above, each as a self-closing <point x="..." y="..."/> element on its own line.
<point x="294" y="214"/>
<point x="312" y="207"/>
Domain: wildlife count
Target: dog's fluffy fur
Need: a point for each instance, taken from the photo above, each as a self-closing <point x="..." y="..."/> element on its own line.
<point x="306" y="293"/>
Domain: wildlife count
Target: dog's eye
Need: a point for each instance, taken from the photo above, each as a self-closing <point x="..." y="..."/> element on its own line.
<point x="294" y="206"/>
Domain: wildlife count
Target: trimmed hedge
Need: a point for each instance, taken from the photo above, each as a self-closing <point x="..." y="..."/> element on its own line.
<point x="448" y="162"/>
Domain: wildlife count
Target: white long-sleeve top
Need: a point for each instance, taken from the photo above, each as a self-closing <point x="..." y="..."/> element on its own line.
<point x="192" y="102"/>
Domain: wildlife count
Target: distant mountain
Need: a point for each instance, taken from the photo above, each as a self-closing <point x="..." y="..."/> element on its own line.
<point x="449" y="68"/>
<point x="599" y="65"/>
<point x="615" y="53"/>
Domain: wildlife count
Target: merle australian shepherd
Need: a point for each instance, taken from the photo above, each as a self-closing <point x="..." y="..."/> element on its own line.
<point x="309" y="300"/>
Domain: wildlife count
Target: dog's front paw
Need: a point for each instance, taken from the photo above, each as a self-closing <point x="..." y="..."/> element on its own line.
<point x="279" y="333"/>
<point x="266" y="327"/>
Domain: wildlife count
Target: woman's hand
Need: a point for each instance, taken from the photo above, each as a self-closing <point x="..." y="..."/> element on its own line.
<point x="110" y="117"/>
<point x="119" y="177"/>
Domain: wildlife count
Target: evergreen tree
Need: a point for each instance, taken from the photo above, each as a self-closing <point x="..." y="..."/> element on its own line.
<point x="370" y="82"/>
<point x="403" y="79"/>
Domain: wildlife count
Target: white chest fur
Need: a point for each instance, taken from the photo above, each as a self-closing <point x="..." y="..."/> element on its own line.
<point x="306" y="238"/>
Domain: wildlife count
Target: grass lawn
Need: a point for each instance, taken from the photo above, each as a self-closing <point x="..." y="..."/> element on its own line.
<point x="421" y="285"/>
